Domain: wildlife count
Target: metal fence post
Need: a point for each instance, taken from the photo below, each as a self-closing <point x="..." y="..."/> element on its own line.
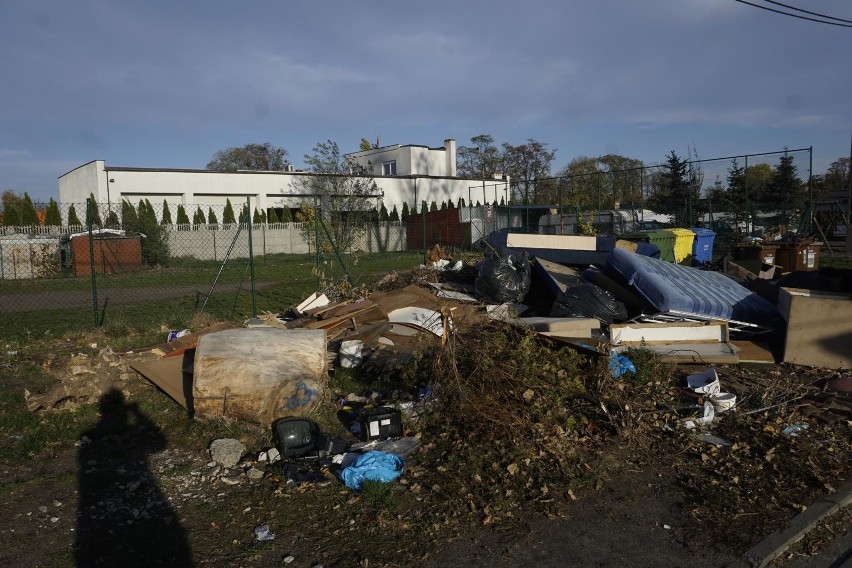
<point x="251" y="259"/>
<point x="89" y="219"/>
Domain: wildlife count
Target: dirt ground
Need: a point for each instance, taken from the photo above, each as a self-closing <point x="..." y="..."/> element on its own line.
<point x="539" y="457"/>
<point x="132" y="495"/>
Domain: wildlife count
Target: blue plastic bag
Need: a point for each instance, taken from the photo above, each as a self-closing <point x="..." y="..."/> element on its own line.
<point x="372" y="466"/>
<point x="619" y="364"/>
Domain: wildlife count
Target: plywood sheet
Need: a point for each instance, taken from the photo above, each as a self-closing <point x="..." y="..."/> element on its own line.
<point x="819" y="327"/>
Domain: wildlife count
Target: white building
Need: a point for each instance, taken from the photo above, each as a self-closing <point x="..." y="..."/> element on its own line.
<point x="404" y="174"/>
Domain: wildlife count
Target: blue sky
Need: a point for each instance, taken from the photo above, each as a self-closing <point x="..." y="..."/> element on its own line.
<point x="166" y="84"/>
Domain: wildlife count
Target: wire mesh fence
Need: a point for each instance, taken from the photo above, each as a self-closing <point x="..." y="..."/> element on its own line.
<point x="88" y="264"/>
<point x="137" y="265"/>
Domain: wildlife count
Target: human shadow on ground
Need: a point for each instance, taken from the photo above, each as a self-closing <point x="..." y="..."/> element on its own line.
<point x="123" y="518"/>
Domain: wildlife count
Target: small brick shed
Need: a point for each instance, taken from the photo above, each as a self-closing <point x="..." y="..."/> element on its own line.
<point x="443" y="227"/>
<point x="113" y="253"/>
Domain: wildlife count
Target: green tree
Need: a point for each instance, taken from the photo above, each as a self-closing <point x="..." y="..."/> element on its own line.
<point x="265" y="157"/>
<point x="167" y="214"/>
<point x="182" y="218"/>
<point x="11" y="208"/>
<point x="526" y="163"/>
<point x="677" y="193"/>
<point x="92" y="211"/>
<point x="405" y="211"/>
<point x="480" y="160"/>
<point x="73" y="219"/>
<point x="198" y="217"/>
<point x="29" y="218"/>
<point x="273" y="216"/>
<point x="154" y="242"/>
<point x="52" y="218"/>
<point x="837" y="176"/>
<point x="787" y="188"/>
<point x="129" y="218"/>
<point x="255" y="218"/>
<point x="443" y="206"/>
<point x="394" y="214"/>
<point x="383" y="213"/>
<point x="112" y="221"/>
<point x="733" y="199"/>
<point x="286" y="215"/>
<point x="433" y="207"/>
<point x="228" y="215"/>
<point x="211" y="217"/>
<point x="345" y="193"/>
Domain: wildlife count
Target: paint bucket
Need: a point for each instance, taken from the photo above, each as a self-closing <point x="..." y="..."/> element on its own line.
<point x="350" y="353"/>
<point x="723" y="401"/>
<point x="705" y="382"/>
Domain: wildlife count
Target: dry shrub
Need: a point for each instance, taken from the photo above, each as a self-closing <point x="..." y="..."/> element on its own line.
<point x="501" y="426"/>
<point x="637" y="406"/>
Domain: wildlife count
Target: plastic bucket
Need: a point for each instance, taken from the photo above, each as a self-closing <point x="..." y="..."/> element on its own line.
<point x="706" y="382"/>
<point x="723" y="401"/>
<point x="350" y="353"/>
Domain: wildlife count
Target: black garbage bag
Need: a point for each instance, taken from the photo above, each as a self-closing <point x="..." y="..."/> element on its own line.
<point x="505" y="279"/>
<point x="589" y="301"/>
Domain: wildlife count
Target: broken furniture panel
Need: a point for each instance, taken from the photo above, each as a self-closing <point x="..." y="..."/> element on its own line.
<point x="678" y="342"/>
<point x="819" y="327"/>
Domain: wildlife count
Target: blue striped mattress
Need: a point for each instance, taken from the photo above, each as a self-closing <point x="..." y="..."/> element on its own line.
<point x="670" y="287"/>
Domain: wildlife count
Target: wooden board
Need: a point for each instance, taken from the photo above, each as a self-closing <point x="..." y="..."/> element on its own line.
<point x="171" y="375"/>
<point x="669" y="332"/>
<point x="562" y="324"/>
<point x="753" y="352"/>
<point x="697" y="353"/>
<point x="819" y="327"/>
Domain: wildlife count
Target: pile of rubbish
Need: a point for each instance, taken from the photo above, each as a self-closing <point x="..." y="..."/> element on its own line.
<point x="601" y="297"/>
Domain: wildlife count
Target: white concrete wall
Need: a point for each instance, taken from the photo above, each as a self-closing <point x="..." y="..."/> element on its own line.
<point x="76" y="186"/>
<point x="266" y="189"/>
<point x="207" y="243"/>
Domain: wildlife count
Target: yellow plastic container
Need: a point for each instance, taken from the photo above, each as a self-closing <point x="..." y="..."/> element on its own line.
<point x="682" y="245"/>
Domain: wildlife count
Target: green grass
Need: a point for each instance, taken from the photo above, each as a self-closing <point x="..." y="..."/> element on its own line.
<point x="131" y="305"/>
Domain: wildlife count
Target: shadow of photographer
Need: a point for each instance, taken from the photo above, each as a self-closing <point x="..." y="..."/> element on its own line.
<point x="123" y="518"/>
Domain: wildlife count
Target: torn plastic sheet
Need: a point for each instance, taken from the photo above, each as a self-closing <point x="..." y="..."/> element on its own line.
<point x="707" y="415"/>
<point x="372" y="466"/>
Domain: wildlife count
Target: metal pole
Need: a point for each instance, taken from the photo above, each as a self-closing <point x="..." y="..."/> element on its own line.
<point x="811" y="186"/>
<point x="747" y="204"/>
<point x="251" y="258"/>
<point x="317" y="241"/>
<point x="89" y="216"/>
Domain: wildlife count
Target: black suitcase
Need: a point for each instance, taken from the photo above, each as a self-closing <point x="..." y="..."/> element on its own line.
<point x="380" y="423"/>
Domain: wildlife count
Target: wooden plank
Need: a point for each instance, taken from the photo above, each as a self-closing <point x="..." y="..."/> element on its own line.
<point x="562" y="324"/>
<point x="557" y="277"/>
<point x="568" y="242"/>
<point x="670" y="332"/>
<point x="697" y="353"/>
<point x="753" y="352"/>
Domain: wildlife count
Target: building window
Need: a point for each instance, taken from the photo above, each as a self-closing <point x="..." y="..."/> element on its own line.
<point x="389" y="168"/>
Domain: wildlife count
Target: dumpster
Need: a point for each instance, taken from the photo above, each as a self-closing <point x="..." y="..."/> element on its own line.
<point x="754" y="251"/>
<point x="797" y="257"/>
<point x="702" y="247"/>
<point x="665" y="240"/>
<point x="683" y="239"/>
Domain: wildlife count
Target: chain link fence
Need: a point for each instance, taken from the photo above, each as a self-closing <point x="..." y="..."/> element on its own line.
<point x="149" y="265"/>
